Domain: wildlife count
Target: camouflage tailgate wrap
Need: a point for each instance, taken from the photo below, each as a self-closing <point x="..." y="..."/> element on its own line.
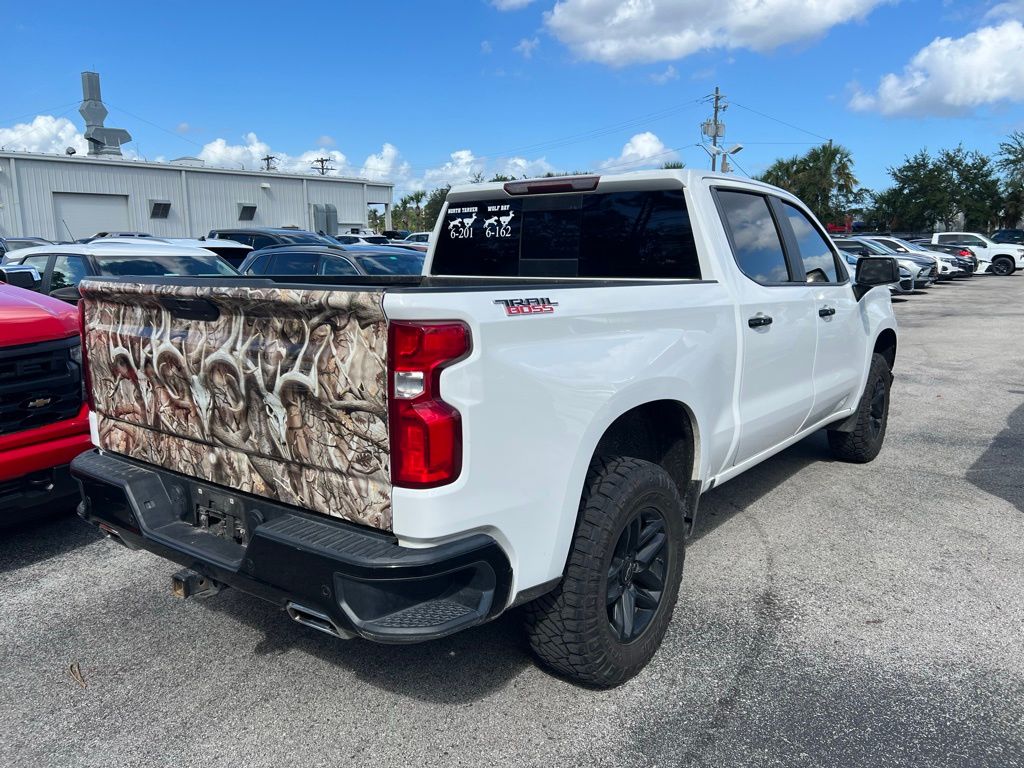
<point x="279" y="392"/>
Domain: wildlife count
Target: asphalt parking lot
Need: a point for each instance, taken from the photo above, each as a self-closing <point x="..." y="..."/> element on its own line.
<point x="831" y="614"/>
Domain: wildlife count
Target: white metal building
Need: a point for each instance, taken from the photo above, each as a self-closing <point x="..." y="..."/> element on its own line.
<point x="69" y="197"/>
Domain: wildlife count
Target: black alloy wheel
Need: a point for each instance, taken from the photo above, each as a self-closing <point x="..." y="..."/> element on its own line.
<point x="877" y="411"/>
<point x="636" y="576"/>
<point x="1003" y="267"/>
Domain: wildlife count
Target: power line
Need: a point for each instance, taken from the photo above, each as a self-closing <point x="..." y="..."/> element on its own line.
<point x="65" y="107"/>
<point x="151" y="123"/>
<point x="783" y="122"/>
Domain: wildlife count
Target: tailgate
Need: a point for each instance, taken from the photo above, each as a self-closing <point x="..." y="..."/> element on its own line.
<point x="278" y="392"/>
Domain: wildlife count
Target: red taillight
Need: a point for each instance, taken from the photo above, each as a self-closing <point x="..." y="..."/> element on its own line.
<point x="86" y="378"/>
<point x="426" y="432"/>
<point x="965" y="253"/>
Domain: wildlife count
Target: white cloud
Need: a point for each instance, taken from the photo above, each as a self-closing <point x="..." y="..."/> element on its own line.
<point x="663" y="77"/>
<point x="951" y="76"/>
<point x="386" y="165"/>
<point x="249" y="156"/>
<point x="183" y="127"/>
<point x="44" y="134"/>
<point x="510" y="5"/>
<point x="486" y="47"/>
<point x="462" y="167"/>
<point x="643" y="149"/>
<point x="620" y="32"/>
<point x="1014" y="9"/>
<point x="526" y="47"/>
<point x="325" y="141"/>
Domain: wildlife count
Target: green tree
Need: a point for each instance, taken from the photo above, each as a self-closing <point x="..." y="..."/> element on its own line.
<point x="975" y="189"/>
<point x="823" y="178"/>
<point x="432" y="209"/>
<point x="673" y="165"/>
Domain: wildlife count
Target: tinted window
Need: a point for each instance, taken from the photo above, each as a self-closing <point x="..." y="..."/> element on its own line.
<point x="390" y="264"/>
<point x="338" y="266"/>
<point x="258" y="265"/>
<point x="259" y="241"/>
<point x="819" y="262"/>
<point x="755" y="238"/>
<point x="303" y="238"/>
<point x="67" y="271"/>
<point x="239" y="237"/>
<point x="346" y="239"/>
<point x="162" y="265"/>
<point x="39" y="262"/>
<point x="294" y="263"/>
<point x="613" y="235"/>
<point x="376" y="240"/>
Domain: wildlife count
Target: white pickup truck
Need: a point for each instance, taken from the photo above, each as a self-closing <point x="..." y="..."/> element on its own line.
<point x="993" y="258"/>
<point x="532" y="422"/>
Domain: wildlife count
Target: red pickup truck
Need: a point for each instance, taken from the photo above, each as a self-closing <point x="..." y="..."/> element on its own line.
<point x="44" y="421"/>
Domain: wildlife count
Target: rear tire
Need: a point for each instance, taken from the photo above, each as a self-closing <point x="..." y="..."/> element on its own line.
<point x="607" y="618"/>
<point x="1003" y="266"/>
<point x="864" y="441"/>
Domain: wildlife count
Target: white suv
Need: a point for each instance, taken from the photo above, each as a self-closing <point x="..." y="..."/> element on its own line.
<point x="993" y="258"/>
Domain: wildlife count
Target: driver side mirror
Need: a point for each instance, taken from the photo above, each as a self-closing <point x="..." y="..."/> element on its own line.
<point x="873" y="272"/>
<point x="68" y="293"/>
<point x="20" y="276"/>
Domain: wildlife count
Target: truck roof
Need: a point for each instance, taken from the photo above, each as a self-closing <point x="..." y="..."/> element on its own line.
<point x="688" y="177"/>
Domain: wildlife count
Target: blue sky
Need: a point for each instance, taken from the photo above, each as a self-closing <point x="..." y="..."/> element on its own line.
<point x="423" y="93"/>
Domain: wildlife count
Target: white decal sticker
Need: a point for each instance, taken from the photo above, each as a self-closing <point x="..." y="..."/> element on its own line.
<point x="499" y="226"/>
<point x="461" y="228"/>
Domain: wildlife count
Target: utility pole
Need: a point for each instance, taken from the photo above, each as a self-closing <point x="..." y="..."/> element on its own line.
<point x="268" y="162"/>
<point x="714" y="128"/>
<point x="320" y="165"/>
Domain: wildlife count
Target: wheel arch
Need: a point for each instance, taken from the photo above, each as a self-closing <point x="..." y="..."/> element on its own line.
<point x="885" y="345"/>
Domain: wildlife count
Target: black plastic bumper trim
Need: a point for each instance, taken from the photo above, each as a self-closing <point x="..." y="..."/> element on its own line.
<point x="362" y="579"/>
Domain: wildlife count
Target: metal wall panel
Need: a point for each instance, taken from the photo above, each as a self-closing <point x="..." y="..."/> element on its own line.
<point x="201" y="198"/>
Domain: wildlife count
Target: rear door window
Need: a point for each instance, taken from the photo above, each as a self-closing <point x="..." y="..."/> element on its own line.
<point x="338" y="266"/>
<point x="755" y="239"/>
<point x="639" y="235"/>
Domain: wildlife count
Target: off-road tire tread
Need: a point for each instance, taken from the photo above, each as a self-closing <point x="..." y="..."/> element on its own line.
<point x="565" y="636"/>
<point x="857" y="446"/>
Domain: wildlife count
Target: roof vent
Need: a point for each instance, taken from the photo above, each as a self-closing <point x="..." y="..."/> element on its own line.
<point x="159" y="209"/>
<point x="246" y="211"/>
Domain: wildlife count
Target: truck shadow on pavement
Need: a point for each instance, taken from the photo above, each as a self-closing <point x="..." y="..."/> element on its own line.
<point x="722" y="504"/>
<point x="997" y="470"/>
<point x="472" y="664"/>
<point x="52" y="535"/>
<point x="463" y="667"/>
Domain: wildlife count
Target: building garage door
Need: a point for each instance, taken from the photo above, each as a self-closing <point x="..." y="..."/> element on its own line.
<point x="82" y="215"/>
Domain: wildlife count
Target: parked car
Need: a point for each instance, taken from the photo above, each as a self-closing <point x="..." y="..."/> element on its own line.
<point x="8" y="244"/>
<point x="993" y="258"/>
<point x="948" y="266"/>
<point x="63" y="267"/>
<point x="961" y="252"/>
<point x="232" y="252"/>
<point x="260" y="237"/>
<point x="396" y="234"/>
<point x="906" y="281"/>
<point x="923" y="271"/>
<point x="1015" y="236"/>
<point x="44" y="421"/>
<point x="328" y="260"/>
<point x="418" y="237"/>
<point x="349" y="239"/>
<point x="403" y="458"/>
<point x="418" y="247"/>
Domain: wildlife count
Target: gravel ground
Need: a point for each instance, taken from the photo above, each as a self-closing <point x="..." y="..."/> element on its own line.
<point x="831" y="615"/>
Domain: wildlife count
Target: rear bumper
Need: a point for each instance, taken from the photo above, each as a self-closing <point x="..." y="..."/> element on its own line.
<point x="329" y="574"/>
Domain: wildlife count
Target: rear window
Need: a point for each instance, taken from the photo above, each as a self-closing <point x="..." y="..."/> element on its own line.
<point x="162" y="265"/>
<point x="643" y="234"/>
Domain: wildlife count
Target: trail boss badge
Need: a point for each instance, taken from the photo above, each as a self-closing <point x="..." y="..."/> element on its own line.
<point x="532" y="306"/>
